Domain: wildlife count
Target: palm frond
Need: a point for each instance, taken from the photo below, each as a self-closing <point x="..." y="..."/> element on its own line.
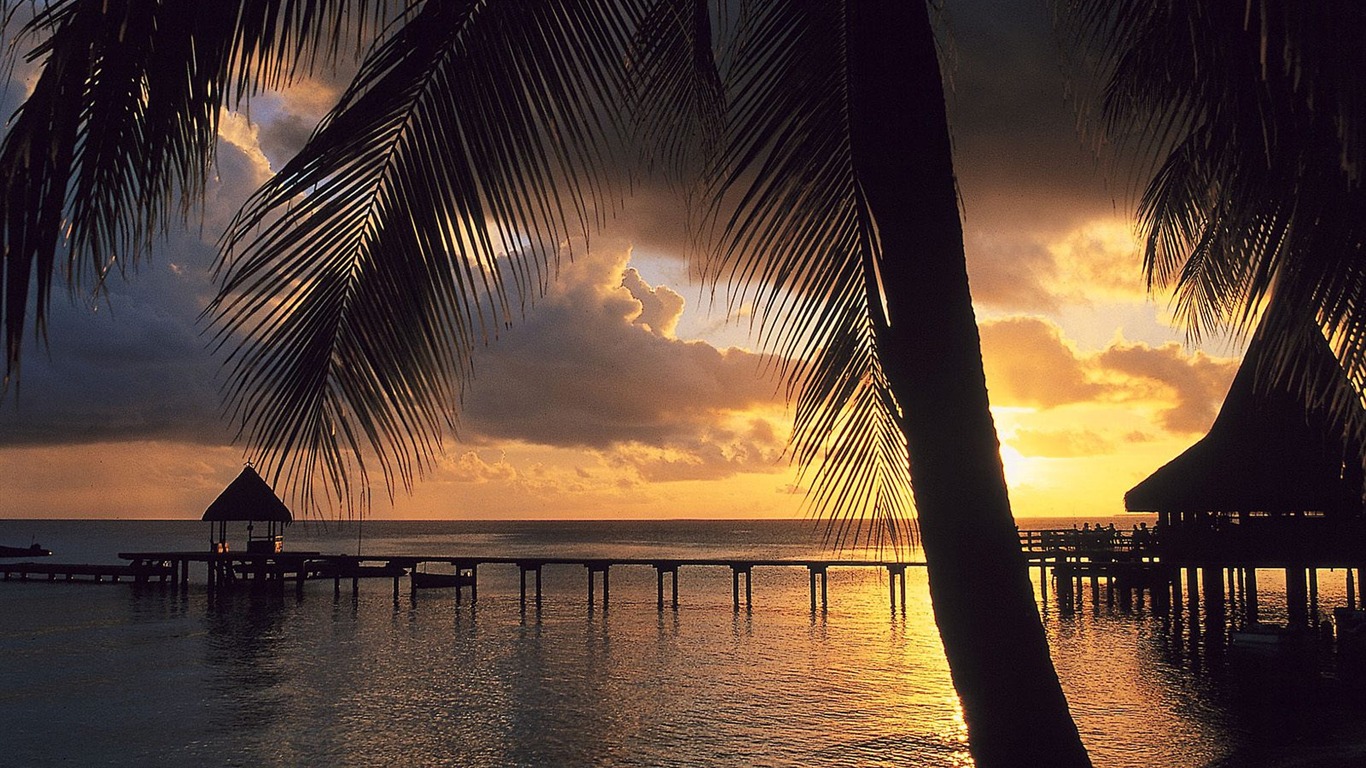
<point x="794" y="238"/>
<point x="677" y="97"/>
<point x="117" y="140"/>
<point x="425" y="211"/>
<point x="1250" y="116"/>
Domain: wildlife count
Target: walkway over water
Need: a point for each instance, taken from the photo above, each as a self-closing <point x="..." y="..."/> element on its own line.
<point x="1130" y="567"/>
<point x="228" y="569"/>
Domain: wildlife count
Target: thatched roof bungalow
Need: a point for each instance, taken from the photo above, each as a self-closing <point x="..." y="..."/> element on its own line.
<point x="250" y="499"/>
<point x="1270" y="466"/>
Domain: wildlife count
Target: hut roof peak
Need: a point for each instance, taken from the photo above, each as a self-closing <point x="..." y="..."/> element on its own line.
<point x="248" y="497"/>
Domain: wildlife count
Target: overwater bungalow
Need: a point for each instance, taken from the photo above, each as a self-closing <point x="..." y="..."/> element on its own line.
<point x="1276" y="483"/>
<point x="251" y="500"/>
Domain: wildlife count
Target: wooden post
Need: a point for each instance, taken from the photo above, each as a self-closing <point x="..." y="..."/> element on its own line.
<point x="1351" y="592"/>
<point x="1296" y="596"/>
<point x="590" y="585"/>
<point x="674" y="598"/>
<point x="521" y="591"/>
<point x="659" y="587"/>
<point x="1314" y="596"/>
<point x="1250" y="596"/>
<point x="1214" y="593"/>
<point x="736" y="571"/>
<point x="813" y="587"/>
<point x="474" y="583"/>
<point x="895" y="574"/>
<point x="538" y="588"/>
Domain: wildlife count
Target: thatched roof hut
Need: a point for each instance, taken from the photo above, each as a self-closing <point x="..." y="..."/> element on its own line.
<point x="1266" y="453"/>
<point x="249" y="498"/>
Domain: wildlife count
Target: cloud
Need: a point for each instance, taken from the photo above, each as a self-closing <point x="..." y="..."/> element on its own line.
<point x="1030" y="364"/>
<point x="594" y="367"/>
<point x="1061" y="443"/>
<point x="470" y="467"/>
<point x="130" y="363"/>
<point x="660" y="308"/>
<point x="1194" y="384"/>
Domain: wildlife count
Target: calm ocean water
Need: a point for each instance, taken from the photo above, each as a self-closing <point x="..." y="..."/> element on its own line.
<point x="118" y="675"/>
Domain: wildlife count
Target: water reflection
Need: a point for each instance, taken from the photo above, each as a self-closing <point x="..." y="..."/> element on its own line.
<point x="251" y="679"/>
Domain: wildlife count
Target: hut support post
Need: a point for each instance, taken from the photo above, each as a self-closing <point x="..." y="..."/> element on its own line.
<point x="1250" y="595"/>
<point x="1214" y="594"/>
<point x="1296" y="597"/>
<point x="1314" y="596"/>
<point x="1351" y="591"/>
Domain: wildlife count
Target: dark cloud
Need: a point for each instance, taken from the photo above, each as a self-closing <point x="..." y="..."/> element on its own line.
<point x="1026" y="175"/>
<point x="131" y="363"/>
<point x="584" y="371"/>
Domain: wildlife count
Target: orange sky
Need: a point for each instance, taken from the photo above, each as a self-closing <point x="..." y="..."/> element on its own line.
<point x="621" y="394"/>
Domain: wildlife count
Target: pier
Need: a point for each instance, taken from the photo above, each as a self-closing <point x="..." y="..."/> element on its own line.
<point x="1125" y="563"/>
<point x="1162" y="569"/>
<point x="277" y="570"/>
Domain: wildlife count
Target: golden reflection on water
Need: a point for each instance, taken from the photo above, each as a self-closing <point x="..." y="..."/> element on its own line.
<point x="332" y="681"/>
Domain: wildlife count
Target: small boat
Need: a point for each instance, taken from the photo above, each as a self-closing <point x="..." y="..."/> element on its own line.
<point x="428" y="580"/>
<point x="32" y="550"/>
<point x="1260" y="635"/>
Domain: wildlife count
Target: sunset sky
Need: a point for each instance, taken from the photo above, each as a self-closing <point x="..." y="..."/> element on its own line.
<point x="623" y="393"/>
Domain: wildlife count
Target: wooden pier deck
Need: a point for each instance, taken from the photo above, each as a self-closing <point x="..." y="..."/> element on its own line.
<point x="229" y="569"/>
<point x="137" y="573"/>
<point x="1125" y="568"/>
<point x="1071" y="555"/>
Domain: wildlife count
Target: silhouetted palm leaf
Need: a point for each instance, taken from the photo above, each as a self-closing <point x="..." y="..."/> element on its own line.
<point x="796" y="239"/>
<point x="117" y="139"/>
<point x="425" y="211"/>
<point x="1251" y="117"/>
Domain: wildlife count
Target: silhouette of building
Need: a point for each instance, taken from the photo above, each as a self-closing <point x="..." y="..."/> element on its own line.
<point x="1276" y="483"/>
<point x="251" y="500"/>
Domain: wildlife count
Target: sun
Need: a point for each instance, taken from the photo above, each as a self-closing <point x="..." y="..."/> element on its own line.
<point x="1018" y="468"/>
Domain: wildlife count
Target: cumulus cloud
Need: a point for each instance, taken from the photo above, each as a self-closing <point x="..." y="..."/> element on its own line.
<point x="1061" y="443"/>
<point x="1194" y="384"/>
<point x="660" y="307"/>
<point x="1030" y="364"/>
<point x="470" y="467"/>
<point x="594" y="366"/>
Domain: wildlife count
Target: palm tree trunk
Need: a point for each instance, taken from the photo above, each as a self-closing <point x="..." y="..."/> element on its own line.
<point x="979" y="586"/>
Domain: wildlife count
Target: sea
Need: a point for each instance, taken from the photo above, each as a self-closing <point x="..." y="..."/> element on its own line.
<point x="124" y="675"/>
